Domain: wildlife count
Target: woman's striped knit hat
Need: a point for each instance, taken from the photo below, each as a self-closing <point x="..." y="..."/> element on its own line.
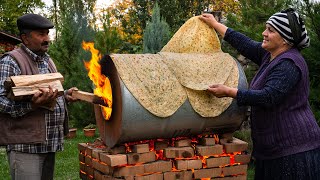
<point x="291" y="27"/>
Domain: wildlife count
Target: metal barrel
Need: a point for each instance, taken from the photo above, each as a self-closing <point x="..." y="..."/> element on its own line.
<point x="130" y="122"/>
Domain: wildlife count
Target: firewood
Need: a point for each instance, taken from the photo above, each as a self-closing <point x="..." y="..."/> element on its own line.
<point x="19" y="91"/>
<point x="23" y="87"/>
<point x="29" y="80"/>
<point x="89" y="97"/>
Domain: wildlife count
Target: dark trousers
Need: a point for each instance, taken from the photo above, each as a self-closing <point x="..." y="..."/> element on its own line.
<point x="27" y="166"/>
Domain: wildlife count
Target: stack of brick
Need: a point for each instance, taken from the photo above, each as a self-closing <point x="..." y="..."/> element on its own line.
<point x="182" y="159"/>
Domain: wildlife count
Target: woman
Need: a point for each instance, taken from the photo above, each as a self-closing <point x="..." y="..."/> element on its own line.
<point x="286" y="137"/>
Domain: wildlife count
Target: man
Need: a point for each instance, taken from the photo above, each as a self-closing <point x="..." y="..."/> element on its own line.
<point x="33" y="134"/>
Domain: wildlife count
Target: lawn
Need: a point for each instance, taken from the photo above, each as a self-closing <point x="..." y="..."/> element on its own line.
<point x="67" y="163"/>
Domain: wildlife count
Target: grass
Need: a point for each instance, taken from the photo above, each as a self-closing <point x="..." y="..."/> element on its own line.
<point x="67" y="162"/>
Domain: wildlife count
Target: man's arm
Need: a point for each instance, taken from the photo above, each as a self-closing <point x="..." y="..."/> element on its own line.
<point x="8" y="67"/>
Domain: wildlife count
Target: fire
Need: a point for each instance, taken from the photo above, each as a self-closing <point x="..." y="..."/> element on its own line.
<point x="101" y="82"/>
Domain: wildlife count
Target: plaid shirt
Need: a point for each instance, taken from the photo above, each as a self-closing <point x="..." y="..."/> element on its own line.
<point x="54" y="119"/>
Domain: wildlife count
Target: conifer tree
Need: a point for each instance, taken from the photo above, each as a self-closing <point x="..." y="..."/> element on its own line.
<point x="157" y="32"/>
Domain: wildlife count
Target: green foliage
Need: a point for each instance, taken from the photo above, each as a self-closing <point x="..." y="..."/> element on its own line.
<point x="11" y="10"/>
<point x="156" y="34"/>
<point x="90" y="126"/>
<point x="108" y="39"/>
<point x="312" y="54"/>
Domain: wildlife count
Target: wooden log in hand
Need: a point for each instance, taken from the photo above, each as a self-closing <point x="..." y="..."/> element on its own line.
<point x="89" y="97"/>
<point x="23" y="87"/>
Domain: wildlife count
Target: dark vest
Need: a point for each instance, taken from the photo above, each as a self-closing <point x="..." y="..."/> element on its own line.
<point x="289" y="127"/>
<point x="31" y="127"/>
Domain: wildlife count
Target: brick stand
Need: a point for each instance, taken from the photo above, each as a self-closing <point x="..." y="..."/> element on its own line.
<point x="185" y="159"/>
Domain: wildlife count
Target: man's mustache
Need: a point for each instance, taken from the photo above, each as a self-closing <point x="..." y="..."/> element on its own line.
<point x="45" y="43"/>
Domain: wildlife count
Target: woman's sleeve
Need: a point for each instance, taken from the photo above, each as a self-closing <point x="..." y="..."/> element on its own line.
<point x="245" y="46"/>
<point x="282" y="79"/>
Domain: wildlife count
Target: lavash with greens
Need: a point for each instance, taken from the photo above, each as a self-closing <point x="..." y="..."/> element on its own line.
<point x="150" y="82"/>
<point x="186" y="66"/>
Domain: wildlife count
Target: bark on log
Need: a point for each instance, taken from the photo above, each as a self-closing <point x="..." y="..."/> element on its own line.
<point x="89" y="97"/>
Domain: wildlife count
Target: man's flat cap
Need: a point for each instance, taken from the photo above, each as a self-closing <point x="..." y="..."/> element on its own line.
<point x="33" y="21"/>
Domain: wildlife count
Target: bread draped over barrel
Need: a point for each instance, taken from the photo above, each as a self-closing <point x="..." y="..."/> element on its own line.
<point x="190" y="62"/>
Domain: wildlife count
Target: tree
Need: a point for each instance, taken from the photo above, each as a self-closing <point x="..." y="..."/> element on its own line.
<point x="132" y="16"/>
<point x="68" y="54"/>
<point x="157" y="32"/>
<point x="312" y="54"/>
<point x="108" y="39"/>
<point x="11" y="10"/>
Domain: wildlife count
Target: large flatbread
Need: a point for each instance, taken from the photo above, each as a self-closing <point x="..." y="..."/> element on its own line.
<point x="150" y="82"/>
<point x="198" y="71"/>
<point x="206" y="104"/>
<point x="194" y="36"/>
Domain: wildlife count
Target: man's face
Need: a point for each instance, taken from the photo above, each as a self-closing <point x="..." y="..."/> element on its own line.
<point x="37" y="41"/>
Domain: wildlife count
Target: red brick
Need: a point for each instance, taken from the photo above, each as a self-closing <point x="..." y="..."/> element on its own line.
<point x="234" y="170"/>
<point x="182" y="152"/>
<point x="228" y="137"/>
<point x="160" y="145"/>
<point x="81" y="157"/>
<point x="89" y="170"/>
<point x="134" y="158"/>
<point x="82" y="147"/>
<point x="242" y="158"/>
<point x="83" y="176"/>
<point x="113" y="160"/>
<point x="158" y="166"/>
<point x="183" y="175"/>
<point x="82" y="166"/>
<point x="128" y="170"/>
<point x="140" y="148"/>
<point x="216" y="162"/>
<point x="89" y="151"/>
<point x="207" y="173"/>
<point x="97" y="175"/>
<point x="209" y="150"/>
<point x="182" y="143"/>
<point x="102" y="167"/>
<point x="96" y="153"/>
<point x="188" y="164"/>
<point x="150" y="177"/>
<point x="207" y="141"/>
<point x="236" y="145"/>
<point x="88" y="161"/>
<point x="118" y="150"/>
<point x="240" y="177"/>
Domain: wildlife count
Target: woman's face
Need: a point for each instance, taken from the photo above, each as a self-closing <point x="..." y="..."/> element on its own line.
<point x="272" y="40"/>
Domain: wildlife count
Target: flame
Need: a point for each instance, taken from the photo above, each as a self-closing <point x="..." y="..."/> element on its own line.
<point x="101" y="82"/>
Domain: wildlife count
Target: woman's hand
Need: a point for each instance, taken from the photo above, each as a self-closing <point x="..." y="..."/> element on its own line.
<point x="220" y="90"/>
<point x="211" y="21"/>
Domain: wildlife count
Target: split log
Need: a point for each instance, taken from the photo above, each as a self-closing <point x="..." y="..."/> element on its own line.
<point x="89" y="97"/>
<point x="36" y="79"/>
<point x="25" y="86"/>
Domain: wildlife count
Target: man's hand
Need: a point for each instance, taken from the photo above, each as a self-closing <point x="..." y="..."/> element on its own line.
<point x="43" y="97"/>
<point x="68" y="95"/>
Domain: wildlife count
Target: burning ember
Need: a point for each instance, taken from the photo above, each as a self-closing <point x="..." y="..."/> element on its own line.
<point x="166" y="159"/>
<point x="101" y="82"/>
